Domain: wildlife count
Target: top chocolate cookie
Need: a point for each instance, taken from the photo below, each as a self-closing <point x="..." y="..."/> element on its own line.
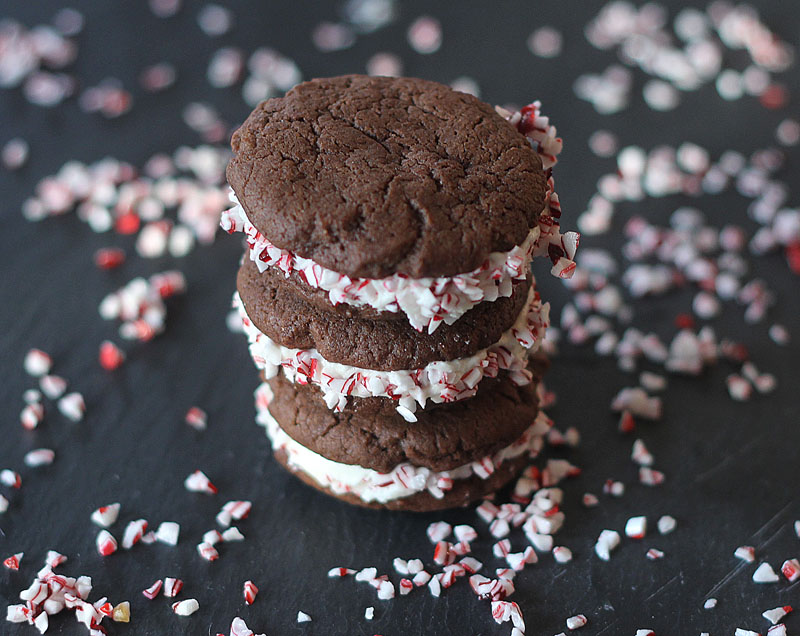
<point x="372" y="176"/>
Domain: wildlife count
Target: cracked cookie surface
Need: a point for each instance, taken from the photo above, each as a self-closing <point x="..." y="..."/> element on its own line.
<point x="371" y="176"/>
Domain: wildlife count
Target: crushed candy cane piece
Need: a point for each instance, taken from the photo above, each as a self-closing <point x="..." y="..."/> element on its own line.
<point x="302" y="617"/>
<point x="37" y="363"/>
<point x="250" y="592"/>
<point x="576" y="622"/>
<point x="152" y="591"/>
<point x="666" y="524"/>
<point x="765" y="574"/>
<point x="168" y="532"/>
<point x="39" y="457"/>
<point x="199" y="482"/>
<point x="636" y="527"/>
<point x="106" y="516"/>
<point x="133" y="533"/>
<point x="745" y="553"/>
<point x="186" y="607"/>
<point x="106" y="543"/>
<point x="12" y="562"/>
<point x="197" y="418"/>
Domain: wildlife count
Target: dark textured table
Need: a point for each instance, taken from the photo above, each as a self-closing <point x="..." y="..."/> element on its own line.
<point x="732" y="469"/>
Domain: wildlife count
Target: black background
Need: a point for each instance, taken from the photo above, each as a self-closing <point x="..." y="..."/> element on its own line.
<point x="732" y="469"/>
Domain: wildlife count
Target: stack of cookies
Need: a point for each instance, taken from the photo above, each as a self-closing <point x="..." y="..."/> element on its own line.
<point x="386" y="287"/>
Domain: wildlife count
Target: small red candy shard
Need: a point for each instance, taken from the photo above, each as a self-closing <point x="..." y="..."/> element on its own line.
<point x="196" y="418"/>
<point x="110" y="356"/>
<point x="12" y="562"/>
<point x="250" y="592"/>
<point x="127" y="223"/>
<point x="109" y="257"/>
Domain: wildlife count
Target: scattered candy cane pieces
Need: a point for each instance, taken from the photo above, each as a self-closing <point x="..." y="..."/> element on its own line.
<point x="439" y="531"/>
<point x="186" y="607"/>
<point x="197" y="418"/>
<point x="666" y="524"/>
<point x="710" y="603"/>
<point x="791" y="570"/>
<point x="133" y="533"/>
<point x="106" y="516"/>
<point x="562" y="554"/>
<point x="636" y="527"/>
<point x="199" y="482"/>
<point x="302" y="617"/>
<point x="233" y="510"/>
<point x="746" y="553"/>
<point x="106" y="543"/>
<point x="168" y="533"/>
<point x="10" y="478"/>
<point x="110" y="356"/>
<point x="775" y="615"/>
<point x="250" y="592"/>
<point x="53" y="386"/>
<point x="765" y="574"/>
<point x="606" y="543"/>
<point x="72" y="406"/>
<point x="207" y="551"/>
<point x="31" y="416"/>
<point x="12" y="562"/>
<point x="369" y="613"/>
<point x="39" y="457"/>
<point x="109" y="257"/>
<point x="172" y="587"/>
<point x="654" y="554"/>
<point x="152" y="591"/>
<point x="37" y="363"/>
<point x="232" y="534"/>
<point x="576" y="622"/>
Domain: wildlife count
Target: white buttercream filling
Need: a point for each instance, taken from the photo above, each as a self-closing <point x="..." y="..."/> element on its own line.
<point x="440" y="381"/>
<point x="405" y="479"/>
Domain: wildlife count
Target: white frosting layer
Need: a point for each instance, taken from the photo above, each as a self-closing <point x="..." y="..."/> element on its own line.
<point x="437" y="381"/>
<point x="427" y="302"/>
<point x="405" y="479"/>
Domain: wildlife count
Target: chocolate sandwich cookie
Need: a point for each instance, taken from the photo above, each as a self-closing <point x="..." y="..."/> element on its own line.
<point x="370" y="433"/>
<point x="374" y="176"/>
<point x="286" y="316"/>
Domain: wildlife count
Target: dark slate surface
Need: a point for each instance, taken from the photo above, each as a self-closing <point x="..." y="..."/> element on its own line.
<point x="732" y="471"/>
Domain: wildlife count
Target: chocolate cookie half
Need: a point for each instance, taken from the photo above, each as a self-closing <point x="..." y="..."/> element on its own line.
<point x="372" y="176"/>
<point x="279" y="310"/>
<point x="370" y="433"/>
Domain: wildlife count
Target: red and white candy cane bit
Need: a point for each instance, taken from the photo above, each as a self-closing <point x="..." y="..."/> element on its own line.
<point x="106" y="543"/>
<point x="10" y="478"/>
<point x="340" y="572"/>
<point x="405" y="586"/>
<point x="775" y="615"/>
<point x="232" y="534"/>
<point x="39" y="457"/>
<point x="106" y="516"/>
<point x="654" y="554"/>
<point x="465" y="533"/>
<point x="72" y="406"/>
<point x="199" y="482"/>
<point x="31" y="416"/>
<point x="386" y="590"/>
<point x="650" y="476"/>
<point x="197" y="418"/>
<point x="54" y="559"/>
<point x="110" y="356"/>
<point x="636" y="527"/>
<point x="172" y="587"/>
<point x="208" y="552"/>
<point x="443" y="553"/>
<point x="186" y="607"/>
<point x="250" y="592"/>
<point x="12" y="562"/>
<point x="53" y="386"/>
<point x="168" y="533"/>
<point x="109" y="257"/>
<point x="746" y="553"/>
<point x="133" y="533"/>
<point x="152" y="591"/>
<point x="576" y="622"/>
<point x="37" y="363"/>
<point x="791" y="570"/>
